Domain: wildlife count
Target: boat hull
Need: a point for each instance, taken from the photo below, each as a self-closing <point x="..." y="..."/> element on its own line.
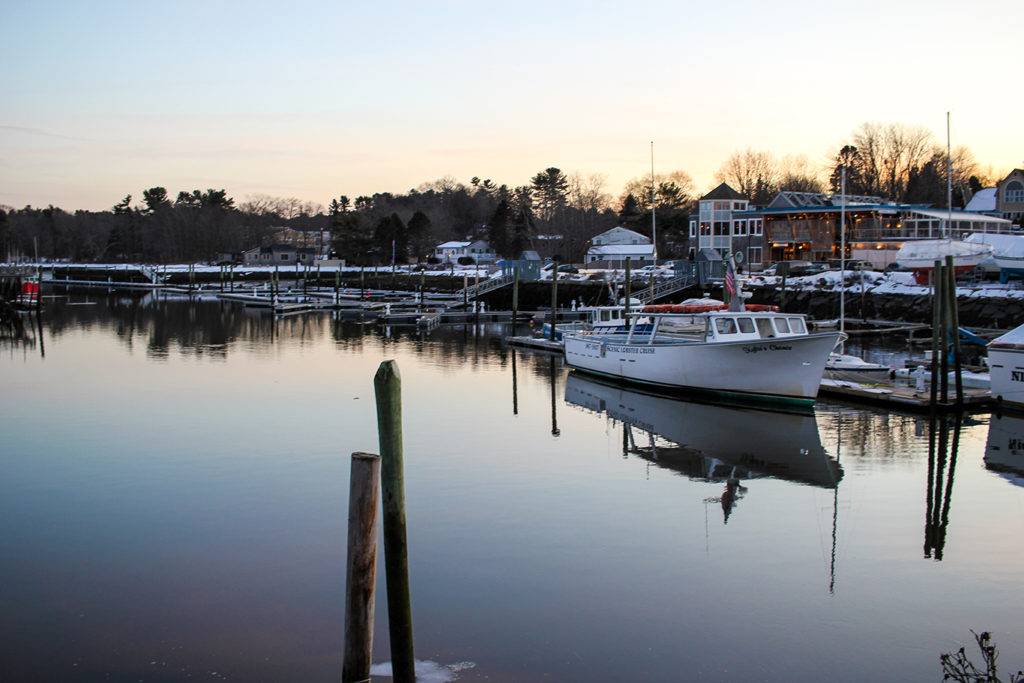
<point x="785" y="369"/>
<point x="1006" y="374"/>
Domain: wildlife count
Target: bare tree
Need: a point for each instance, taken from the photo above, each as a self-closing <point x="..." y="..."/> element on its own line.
<point x="754" y="174"/>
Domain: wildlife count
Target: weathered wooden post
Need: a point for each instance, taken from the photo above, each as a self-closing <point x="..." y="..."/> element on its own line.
<point x="388" y="388"/>
<point x="936" y="332"/>
<point x="515" y="299"/>
<point x="465" y="291"/>
<point x="954" y="326"/>
<point x="362" y="282"/>
<point x="423" y="287"/>
<point x="361" y="571"/>
<point x="39" y="292"/>
<point x="232" y="279"/>
<point x="554" y="296"/>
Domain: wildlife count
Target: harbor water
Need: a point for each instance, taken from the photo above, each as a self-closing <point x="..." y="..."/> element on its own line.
<point x="173" y="505"/>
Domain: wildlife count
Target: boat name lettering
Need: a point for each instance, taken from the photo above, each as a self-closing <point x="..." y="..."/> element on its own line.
<point x="757" y="348"/>
<point x="1017" y="375"/>
<point x="631" y="349"/>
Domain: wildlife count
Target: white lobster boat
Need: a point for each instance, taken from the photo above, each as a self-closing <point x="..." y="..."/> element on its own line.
<point x="1006" y="368"/>
<point x="754" y="353"/>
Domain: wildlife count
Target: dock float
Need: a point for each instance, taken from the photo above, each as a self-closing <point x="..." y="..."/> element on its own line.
<point x="537" y="343"/>
<point x="900" y="397"/>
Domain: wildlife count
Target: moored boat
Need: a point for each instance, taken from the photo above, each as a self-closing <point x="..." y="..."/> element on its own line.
<point x="1006" y="368"/>
<point x="759" y="355"/>
<point x="919" y="256"/>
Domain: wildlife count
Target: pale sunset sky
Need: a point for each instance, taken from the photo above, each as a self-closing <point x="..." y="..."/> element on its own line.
<point x="318" y="99"/>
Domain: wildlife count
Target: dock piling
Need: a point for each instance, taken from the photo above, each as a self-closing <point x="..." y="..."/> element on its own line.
<point x="388" y="389"/>
<point x="361" y="570"/>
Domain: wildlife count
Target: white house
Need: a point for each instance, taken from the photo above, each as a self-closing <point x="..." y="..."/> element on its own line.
<point x="619" y="236"/>
<point x="616" y="254"/>
<point x="616" y="245"/>
<point x="478" y="250"/>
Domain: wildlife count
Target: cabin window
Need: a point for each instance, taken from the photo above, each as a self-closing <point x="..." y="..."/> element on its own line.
<point x="725" y="325"/>
<point x="781" y="325"/>
<point x="797" y="326"/>
<point x="606" y="316"/>
<point x="764" y="328"/>
<point x="746" y="325"/>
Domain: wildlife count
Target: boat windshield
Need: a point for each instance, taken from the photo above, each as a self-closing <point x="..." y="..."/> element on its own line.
<point x="782" y="326"/>
<point x="725" y="325"/>
<point x="797" y="326"/>
<point x="746" y="325"/>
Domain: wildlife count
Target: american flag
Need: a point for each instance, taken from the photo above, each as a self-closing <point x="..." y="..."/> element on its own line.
<point x="730" y="279"/>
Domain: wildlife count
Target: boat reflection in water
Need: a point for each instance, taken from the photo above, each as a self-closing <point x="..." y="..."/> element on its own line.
<point x="712" y="442"/>
<point x="1004" y="451"/>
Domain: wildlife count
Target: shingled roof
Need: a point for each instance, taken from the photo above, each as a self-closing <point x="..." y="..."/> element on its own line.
<point x="723" y="191"/>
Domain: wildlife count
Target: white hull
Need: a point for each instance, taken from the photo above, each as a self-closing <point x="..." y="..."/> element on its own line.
<point x="922" y="254"/>
<point x="788" y="368"/>
<point x="1006" y="373"/>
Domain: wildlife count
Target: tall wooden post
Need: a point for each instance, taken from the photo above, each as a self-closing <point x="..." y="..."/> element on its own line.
<point x="361" y="570"/>
<point x="423" y="287"/>
<point x="515" y="299"/>
<point x="554" y="297"/>
<point x="388" y="388"/>
<point x="954" y="324"/>
<point x="362" y="282"/>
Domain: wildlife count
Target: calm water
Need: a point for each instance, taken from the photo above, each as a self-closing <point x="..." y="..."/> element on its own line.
<point x="173" y="503"/>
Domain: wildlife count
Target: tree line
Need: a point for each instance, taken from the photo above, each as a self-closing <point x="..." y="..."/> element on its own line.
<point x="555" y="213"/>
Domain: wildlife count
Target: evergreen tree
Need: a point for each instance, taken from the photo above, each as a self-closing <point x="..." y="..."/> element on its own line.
<point x="498" y="230"/>
<point x="353" y="238"/>
<point x="420" y="237"/>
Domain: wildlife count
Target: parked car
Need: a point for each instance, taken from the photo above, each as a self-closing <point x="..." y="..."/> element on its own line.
<point x="795" y="268"/>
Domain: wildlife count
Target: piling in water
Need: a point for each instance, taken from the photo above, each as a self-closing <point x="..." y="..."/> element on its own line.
<point x="361" y="570"/>
<point x="388" y="390"/>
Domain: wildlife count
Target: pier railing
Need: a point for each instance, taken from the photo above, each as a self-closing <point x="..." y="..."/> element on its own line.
<point x="488" y="285"/>
<point x="663" y="288"/>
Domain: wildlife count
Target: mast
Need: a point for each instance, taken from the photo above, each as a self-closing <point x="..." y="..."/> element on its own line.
<point x="842" y="258"/>
<point x="654" y="227"/>
<point x="949" y="185"/>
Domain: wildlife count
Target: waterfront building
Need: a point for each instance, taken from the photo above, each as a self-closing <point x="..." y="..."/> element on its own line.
<point x="612" y="247"/>
<point x="1010" y="196"/>
<point x="727" y="223"/>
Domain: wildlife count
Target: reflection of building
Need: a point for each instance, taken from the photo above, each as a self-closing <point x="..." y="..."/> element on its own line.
<point x="1010" y="196"/>
<point x="726" y="223"/>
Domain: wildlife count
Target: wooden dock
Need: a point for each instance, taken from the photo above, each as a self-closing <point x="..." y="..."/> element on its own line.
<point x="901" y="397"/>
<point x="537" y="344"/>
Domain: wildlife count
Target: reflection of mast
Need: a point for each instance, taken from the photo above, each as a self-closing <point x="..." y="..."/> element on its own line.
<point x="515" y="386"/>
<point x="939" y="496"/>
<point x="554" y="414"/>
<point x="835" y="507"/>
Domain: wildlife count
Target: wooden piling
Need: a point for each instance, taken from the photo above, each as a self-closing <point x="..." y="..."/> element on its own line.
<point x="554" y="296"/>
<point x="361" y="570"/>
<point x="388" y="389"/>
<point x="954" y="325"/>
<point x="936" y="332"/>
<point x="515" y="299"/>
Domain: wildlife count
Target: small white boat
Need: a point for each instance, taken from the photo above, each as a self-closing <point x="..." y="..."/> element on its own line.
<point x="1006" y="368"/>
<point x="839" y="365"/>
<point x="920" y="256"/>
<point x="754" y="353"/>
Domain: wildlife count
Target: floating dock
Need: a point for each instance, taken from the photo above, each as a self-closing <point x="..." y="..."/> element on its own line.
<point x="537" y="344"/>
<point x="902" y="397"/>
